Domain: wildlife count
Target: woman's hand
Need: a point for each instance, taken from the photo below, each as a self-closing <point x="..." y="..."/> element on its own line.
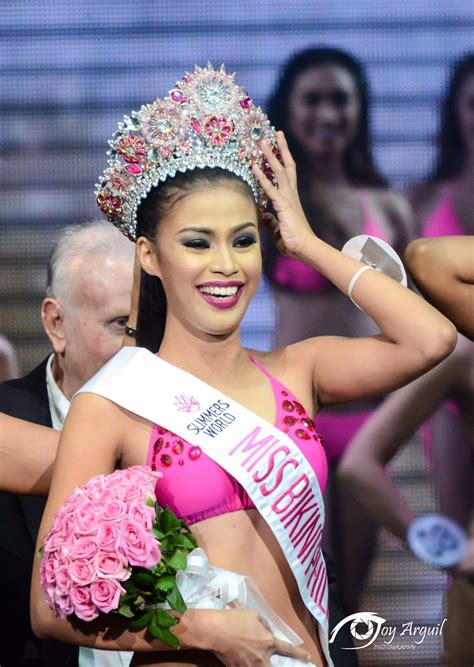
<point x="244" y="639"/>
<point x="290" y="229"/>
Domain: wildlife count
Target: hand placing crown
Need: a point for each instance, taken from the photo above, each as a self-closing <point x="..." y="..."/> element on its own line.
<point x="206" y="120"/>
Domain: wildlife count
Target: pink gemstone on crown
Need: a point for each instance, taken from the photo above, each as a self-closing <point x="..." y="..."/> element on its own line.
<point x="132" y="148"/>
<point x="185" y="147"/>
<point x="246" y="102"/>
<point x="178" y="97"/>
<point x="196" y="125"/>
<point x="165" y="152"/>
<point x="133" y="169"/>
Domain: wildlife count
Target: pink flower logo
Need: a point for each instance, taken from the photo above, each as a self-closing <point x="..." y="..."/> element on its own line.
<point x="186" y="403"/>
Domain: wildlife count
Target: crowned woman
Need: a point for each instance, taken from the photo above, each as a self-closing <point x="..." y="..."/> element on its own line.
<point x="230" y="429"/>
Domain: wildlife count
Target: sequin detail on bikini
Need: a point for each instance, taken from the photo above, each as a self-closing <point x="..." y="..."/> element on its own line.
<point x="177" y="451"/>
<point x="302" y="427"/>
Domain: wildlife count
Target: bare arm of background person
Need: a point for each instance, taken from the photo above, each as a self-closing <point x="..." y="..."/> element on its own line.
<point x="443" y="270"/>
<point x="363" y="467"/>
<point x="27" y="454"/>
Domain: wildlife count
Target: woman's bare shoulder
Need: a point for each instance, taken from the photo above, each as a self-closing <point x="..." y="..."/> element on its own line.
<point x="90" y="408"/>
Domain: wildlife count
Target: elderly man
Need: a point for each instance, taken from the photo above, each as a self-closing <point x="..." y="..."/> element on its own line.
<point x="87" y="304"/>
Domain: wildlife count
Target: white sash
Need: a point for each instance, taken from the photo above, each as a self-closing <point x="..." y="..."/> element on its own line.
<point x="265" y="461"/>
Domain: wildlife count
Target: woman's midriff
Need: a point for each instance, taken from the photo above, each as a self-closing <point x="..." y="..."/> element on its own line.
<point x="242" y="542"/>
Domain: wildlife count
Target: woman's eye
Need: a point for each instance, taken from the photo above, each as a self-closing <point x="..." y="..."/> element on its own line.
<point x="244" y="241"/>
<point x="312" y="99"/>
<point x="197" y="244"/>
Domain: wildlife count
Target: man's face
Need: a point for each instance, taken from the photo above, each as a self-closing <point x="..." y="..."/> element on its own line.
<point x="93" y="321"/>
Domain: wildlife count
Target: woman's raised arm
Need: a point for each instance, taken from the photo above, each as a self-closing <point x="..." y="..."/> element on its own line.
<point x="415" y="336"/>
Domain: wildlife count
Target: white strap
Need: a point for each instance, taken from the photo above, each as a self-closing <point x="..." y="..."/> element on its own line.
<point x="353" y="281"/>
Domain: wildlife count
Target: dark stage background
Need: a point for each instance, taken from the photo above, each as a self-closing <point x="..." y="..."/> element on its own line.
<point x="70" y="70"/>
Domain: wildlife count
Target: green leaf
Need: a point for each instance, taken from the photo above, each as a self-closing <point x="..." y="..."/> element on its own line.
<point x="142" y="621"/>
<point x="130" y="587"/>
<point x="175" y="600"/>
<point x="163" y="618"/>
<point x="144" y="581"/>
<point x="125" y="610"/>
<point x="165" y="583"/>
<point x="164" y="635"/>
<point x="169" y="521"/>
<point x="178" y="560"/>
<point x="182" y="541"/>
<point x="150" y="502"/>
<point x="157" y="533"/>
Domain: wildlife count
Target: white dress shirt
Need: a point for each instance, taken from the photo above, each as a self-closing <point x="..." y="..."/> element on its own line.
<point x="59" y="407"/>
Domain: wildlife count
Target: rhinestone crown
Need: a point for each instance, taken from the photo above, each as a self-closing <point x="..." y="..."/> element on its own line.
<point x="207" y="120"/>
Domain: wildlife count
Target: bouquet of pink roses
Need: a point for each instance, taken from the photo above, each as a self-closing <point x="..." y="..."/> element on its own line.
<point x="112" y="548"/>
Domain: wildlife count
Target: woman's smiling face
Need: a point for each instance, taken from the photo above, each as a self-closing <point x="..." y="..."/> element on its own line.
<point x="324" y="110"/>
<point x="207" y="254"/>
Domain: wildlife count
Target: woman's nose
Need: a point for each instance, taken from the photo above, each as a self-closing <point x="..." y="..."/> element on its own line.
<point x="224" y="261"/>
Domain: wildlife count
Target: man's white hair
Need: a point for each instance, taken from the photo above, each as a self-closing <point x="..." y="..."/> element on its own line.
<point x="90" y="239"/>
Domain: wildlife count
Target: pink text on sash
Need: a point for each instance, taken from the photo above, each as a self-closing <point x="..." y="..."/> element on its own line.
<point x="279" y="477"/>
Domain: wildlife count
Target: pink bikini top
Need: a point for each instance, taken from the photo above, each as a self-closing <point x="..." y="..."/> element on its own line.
<point x="443" y="220"/>
<point x="301" y="278"/>
<point x="196" y="488"/>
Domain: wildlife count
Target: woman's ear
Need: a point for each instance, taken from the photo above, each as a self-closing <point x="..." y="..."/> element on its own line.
<point x="148" y="257"/>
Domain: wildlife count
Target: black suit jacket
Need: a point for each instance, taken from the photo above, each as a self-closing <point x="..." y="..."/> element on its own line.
<point x="20" y="516"/>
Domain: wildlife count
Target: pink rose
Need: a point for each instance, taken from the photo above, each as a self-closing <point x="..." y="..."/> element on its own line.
<point x="139" y="547"/>
<point x="111" y="566"/>
<point x="81" y="599"/>
<point x="77" y="500"/>
<point x="63" y="605"/>
<point x="107" y="536"/>
<point x="86" y="523"/>
<point x="48" y="568"/>
<point x="105" y="594"/>
<point x="142" y="514"/>
<point x="63" y="579"/>
<point x="83" y="548"/>
<point x="82" y="572"/>
<point x="130" y="492"/>
<point x="113" y="510"/>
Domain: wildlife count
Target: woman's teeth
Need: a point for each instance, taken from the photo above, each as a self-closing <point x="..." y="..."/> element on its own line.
<point x="219" y="291"/>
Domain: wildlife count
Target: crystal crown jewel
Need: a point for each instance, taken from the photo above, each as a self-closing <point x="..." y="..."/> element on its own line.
<point x="207" y="120"/>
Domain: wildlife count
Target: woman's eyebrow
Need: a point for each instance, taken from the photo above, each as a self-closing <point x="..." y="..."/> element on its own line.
<point x="210" y="232"/>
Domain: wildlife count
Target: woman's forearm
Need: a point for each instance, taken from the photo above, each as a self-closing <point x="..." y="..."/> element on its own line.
<point x="372" y="485"/>
<point x="194" y="631"/>
<point x="27" y="454"/>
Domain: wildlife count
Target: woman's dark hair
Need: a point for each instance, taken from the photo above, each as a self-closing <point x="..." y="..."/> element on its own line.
<point x="452" y="149"/>
<point x="152" y="305"/>
<point x="358" y="160"/>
